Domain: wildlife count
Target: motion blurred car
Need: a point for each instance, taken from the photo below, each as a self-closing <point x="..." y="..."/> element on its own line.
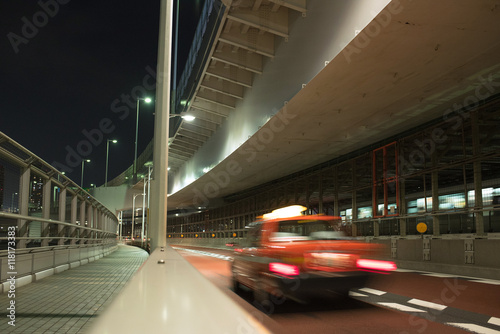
<point x="300" y="257"/>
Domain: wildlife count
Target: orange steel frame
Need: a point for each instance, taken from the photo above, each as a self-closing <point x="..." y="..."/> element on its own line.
<point x="386" y="180"/>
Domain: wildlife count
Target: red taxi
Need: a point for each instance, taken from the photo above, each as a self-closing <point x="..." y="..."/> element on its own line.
<point x="295" y="256"/>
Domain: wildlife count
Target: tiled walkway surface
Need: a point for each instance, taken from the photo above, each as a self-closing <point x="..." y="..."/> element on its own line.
<point x="68" y="302"/>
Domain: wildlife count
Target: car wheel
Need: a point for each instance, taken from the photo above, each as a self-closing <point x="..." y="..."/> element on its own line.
<point x="262" y="298"/>
<point x="235" y="283"/>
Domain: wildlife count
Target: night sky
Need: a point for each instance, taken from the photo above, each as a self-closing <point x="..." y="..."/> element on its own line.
<point x="69" y="72"/>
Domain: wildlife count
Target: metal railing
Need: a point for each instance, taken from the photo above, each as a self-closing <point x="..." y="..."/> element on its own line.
<point x="41" y="208"/>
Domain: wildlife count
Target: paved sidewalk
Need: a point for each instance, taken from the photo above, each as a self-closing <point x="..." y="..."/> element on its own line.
<point x="68" y="302"/>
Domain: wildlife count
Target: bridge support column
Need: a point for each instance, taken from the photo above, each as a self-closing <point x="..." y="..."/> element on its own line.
<point x="478" y="179"/>
<point x="74" y="213"/>
<point x="62" y="216"/>
<point x="24" y="192"/>
<point x="159" y="185"/>
<point x="47" y="192"/>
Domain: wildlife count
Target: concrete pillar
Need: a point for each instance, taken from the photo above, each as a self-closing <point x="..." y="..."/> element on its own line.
<point x="84" y="233"/>
<point x="478" y="180"/>
<point x="95" y="222"/>
<point x="320" y="205"/>
<point x="90" y="218"/>
<point x="159" y="186"/>
<point x="354" y="202"/>
<point x="24" y="192"/>
<point x="46" y="194"/>
<point x="74" y="213"/>
<point x="62" y="215"/>
<point x="376" y="227"/>
<point x="336" y="208"/>
<point x="402" y="207"/>
<point x="435" y="196"/>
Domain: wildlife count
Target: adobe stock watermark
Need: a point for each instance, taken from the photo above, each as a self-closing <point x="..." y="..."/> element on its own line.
<point x="453" y="116"/>
<point x="30" y="27"/>
<point x="420" y="320"/>
<point x="257" y="143"/>
<point x="372" y="30"/>
<point x="96" y="136"/>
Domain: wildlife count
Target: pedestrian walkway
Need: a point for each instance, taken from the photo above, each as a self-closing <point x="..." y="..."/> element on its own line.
<point x="69" y="301"/>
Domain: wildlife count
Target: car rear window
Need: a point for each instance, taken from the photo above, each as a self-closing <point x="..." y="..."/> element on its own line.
<point x="306" y="229"/>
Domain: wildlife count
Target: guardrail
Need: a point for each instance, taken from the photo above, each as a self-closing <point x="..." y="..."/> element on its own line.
<point x="42" y="209"/>
<point x="167" y="294"/>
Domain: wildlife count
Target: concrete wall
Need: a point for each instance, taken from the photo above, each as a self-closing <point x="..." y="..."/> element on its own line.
<point x="37" y="265"/>
<point x="116" y="198"/>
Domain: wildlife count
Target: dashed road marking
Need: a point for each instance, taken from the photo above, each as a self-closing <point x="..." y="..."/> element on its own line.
<point x="494" y="321"/>
<point x="356" y="294"/>
<point x="474" y="328"/>
<point x="373" y="291"/>
<point x="424" y="303"/>
<point x="400" y="307"/>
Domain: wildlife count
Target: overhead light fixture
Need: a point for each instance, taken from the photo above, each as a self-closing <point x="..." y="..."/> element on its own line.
<point x="188" y="118"/>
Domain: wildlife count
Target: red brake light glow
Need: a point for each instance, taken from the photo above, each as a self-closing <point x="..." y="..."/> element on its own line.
<point x="284" y="269"/>
<point x="376" y="265"/>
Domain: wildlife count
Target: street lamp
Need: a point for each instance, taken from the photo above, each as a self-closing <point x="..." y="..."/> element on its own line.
<point x="83" y="164"/>
<point x="114" y="141"/>
<point x="184" y="116"/>
<point x="133" y="213"/>
<point x="147" y="100"/>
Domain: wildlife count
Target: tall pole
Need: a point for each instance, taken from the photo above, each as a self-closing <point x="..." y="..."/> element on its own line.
<point x="81" y="178"/>
<point x="159" y="183"/>
<point x="143" y="209"/>
<point x="136" y="136"/>
<point x="174" y="81"/>
<point x="120" y="225"/>
<point x="83" y="164"/>
<point x="133" y="218"/>
<point x="107" y="159"/>
<point x="107" y="156"/>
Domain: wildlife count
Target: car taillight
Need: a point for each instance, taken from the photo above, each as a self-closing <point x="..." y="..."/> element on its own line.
<point x="284" y="269"/>
<point x="376" y="265"/>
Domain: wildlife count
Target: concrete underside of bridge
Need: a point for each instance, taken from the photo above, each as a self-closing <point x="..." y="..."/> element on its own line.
<point x="414" y="62"/>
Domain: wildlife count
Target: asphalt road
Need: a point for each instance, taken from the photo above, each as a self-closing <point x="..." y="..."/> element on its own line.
<point x="402" y="302"/>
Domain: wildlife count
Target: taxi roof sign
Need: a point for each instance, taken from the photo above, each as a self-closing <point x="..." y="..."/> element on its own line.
<point x="288" y="211"/>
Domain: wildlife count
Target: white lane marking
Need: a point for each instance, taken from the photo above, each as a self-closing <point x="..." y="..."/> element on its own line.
<point x="222" y="257"/>
<point x="439" y="275"/>
<point x="427" y="304"/>
<point x="355" y="294"/>
<point x="400" y="307"/>
<point x="405" y="270"/>
<point x="473" y="328"/>
<point x="494" y="321"/>
<point x="373" y="291"/>
<point x="486" y="281"/>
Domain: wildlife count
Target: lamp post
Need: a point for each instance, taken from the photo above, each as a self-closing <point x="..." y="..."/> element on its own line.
<point x="133" y="213"/>
<point x="147" y="100"/>
<point x="83" y="164"/>
<point x="184" y="116"/>
<point x="114" y="141"/>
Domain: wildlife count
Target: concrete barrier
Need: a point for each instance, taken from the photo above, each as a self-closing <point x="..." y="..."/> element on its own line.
<point x="35" y="266"/>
